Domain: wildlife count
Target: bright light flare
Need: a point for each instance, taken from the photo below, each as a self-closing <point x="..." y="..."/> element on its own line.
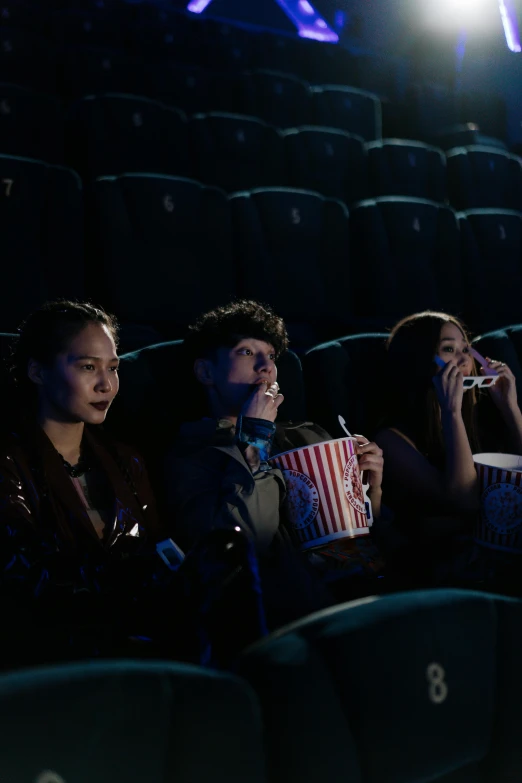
<point x="508" y="15"/>
<point x="198" y="6"/>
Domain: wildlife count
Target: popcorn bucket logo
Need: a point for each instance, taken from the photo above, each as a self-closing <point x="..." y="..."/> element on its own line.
<point x="302" y="498"/>
<point x="500" y="523"/>
<point x="325" y="498"/>
<point x="353" y="486"/>
<point x="502" y="507"/>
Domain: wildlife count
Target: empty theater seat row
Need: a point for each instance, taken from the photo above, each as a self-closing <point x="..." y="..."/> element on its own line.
<point x="332" y="697"/>
<point x="161" y="249"/>
<point x="274" y="98"/>
<point x="168" y="51"/>
<point x="113" y="134"/>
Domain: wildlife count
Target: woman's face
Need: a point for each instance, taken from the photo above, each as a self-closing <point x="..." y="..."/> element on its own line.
<point x="83" y="381"/>
<point x="454" y="347"/>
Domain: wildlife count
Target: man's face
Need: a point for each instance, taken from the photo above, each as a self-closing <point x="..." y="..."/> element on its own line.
<point x="236" y="372"/>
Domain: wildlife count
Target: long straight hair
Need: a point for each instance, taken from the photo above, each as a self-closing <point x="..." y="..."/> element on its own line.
<point x="412" y="405"/>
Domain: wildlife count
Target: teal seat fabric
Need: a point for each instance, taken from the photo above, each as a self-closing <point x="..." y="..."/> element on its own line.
<point x="304" y="239"/>
<point x="128" y="722"/>
<point x="408" y="688"/>
<point x="162" y="249"/>
<point x="480" y="176"/>
<point x="41" y="223"/>
<point x="405" y="258"/>
<point x="399" y="167"/>
<point x="352" y="370"/>
<point x="117" y="133"/>
<point x="349" y="109"/>
<point x="327" y="160"/>
<point x="491" y="266"/>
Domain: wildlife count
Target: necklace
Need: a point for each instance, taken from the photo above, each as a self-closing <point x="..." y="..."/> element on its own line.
<point x="75" y="471"/>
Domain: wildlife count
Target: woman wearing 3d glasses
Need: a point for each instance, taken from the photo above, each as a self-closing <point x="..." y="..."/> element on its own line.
<point x="436" y="418"/>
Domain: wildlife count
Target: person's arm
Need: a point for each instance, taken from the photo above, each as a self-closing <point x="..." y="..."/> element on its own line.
<point x="423" y="484"/>
<point x="504" y="395"/>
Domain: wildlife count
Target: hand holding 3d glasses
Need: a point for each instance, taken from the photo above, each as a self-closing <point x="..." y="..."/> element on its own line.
<point x="504" y="392"/>
<point x="490" y="372"/>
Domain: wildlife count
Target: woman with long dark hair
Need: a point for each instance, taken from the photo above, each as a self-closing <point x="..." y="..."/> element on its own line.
<point x="433" y="425"/>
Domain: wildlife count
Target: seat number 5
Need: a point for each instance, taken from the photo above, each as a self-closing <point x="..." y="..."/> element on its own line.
<point x="437" y="687"/>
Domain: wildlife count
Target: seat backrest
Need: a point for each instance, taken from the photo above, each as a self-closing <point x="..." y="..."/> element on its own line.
<point x="278" y="98"/>
<point x="410" y="687"/>
<point x="31" y="124"/>
<point x="163" y="249"/>
<point x="26" y="59"/>
<point x="399" y="167"/>
<point x="349" y="109"/>
<point x="433" y="108"/>
<point x="118" y="134"/>
<point x="86" y="28"/>
<point x="292" y="252"/>
<point x="352" y="379"/>
<point x="87" y="70"/>
<point x="41" y="221"/>
<point x="492" y="266"/>
<point x="330" y="161"/>
<point x="405" y="257"/>
<point x="127" y="720"/>
<point x="235" y="152"/>
<point x="481" y="177"/>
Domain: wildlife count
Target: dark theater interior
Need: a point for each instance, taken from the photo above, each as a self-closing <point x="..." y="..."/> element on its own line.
<point x="234" y="234"/>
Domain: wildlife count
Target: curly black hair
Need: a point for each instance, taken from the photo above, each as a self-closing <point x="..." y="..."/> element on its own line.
<point x="225" y="326"/>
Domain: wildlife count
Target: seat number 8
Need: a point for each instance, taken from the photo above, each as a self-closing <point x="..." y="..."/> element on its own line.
<point x="437" y="687"/>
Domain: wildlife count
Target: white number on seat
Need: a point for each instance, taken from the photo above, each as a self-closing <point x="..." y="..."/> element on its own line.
<point x="8" y="186"/>
<point x="438" y="690"/>
<point x="240" y="136"/>
<point x="416" y="225"/>
<point x="329" y="149"/>
<point x="5" y="108"/>
<point x="137" y="119"/>
<point x="502" y="231"/>
<point x="296" y="216"/>
<point x="168" y="203"/>
<point x="7" y="46"/>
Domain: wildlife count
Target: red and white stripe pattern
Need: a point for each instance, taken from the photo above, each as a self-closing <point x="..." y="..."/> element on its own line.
<point x="324" y="464"/>
<point x="512" y="540"/>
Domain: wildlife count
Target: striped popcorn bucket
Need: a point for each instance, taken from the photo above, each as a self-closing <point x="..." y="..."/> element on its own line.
<point x="326" y="499"/>
<point x="500" y="522"/>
